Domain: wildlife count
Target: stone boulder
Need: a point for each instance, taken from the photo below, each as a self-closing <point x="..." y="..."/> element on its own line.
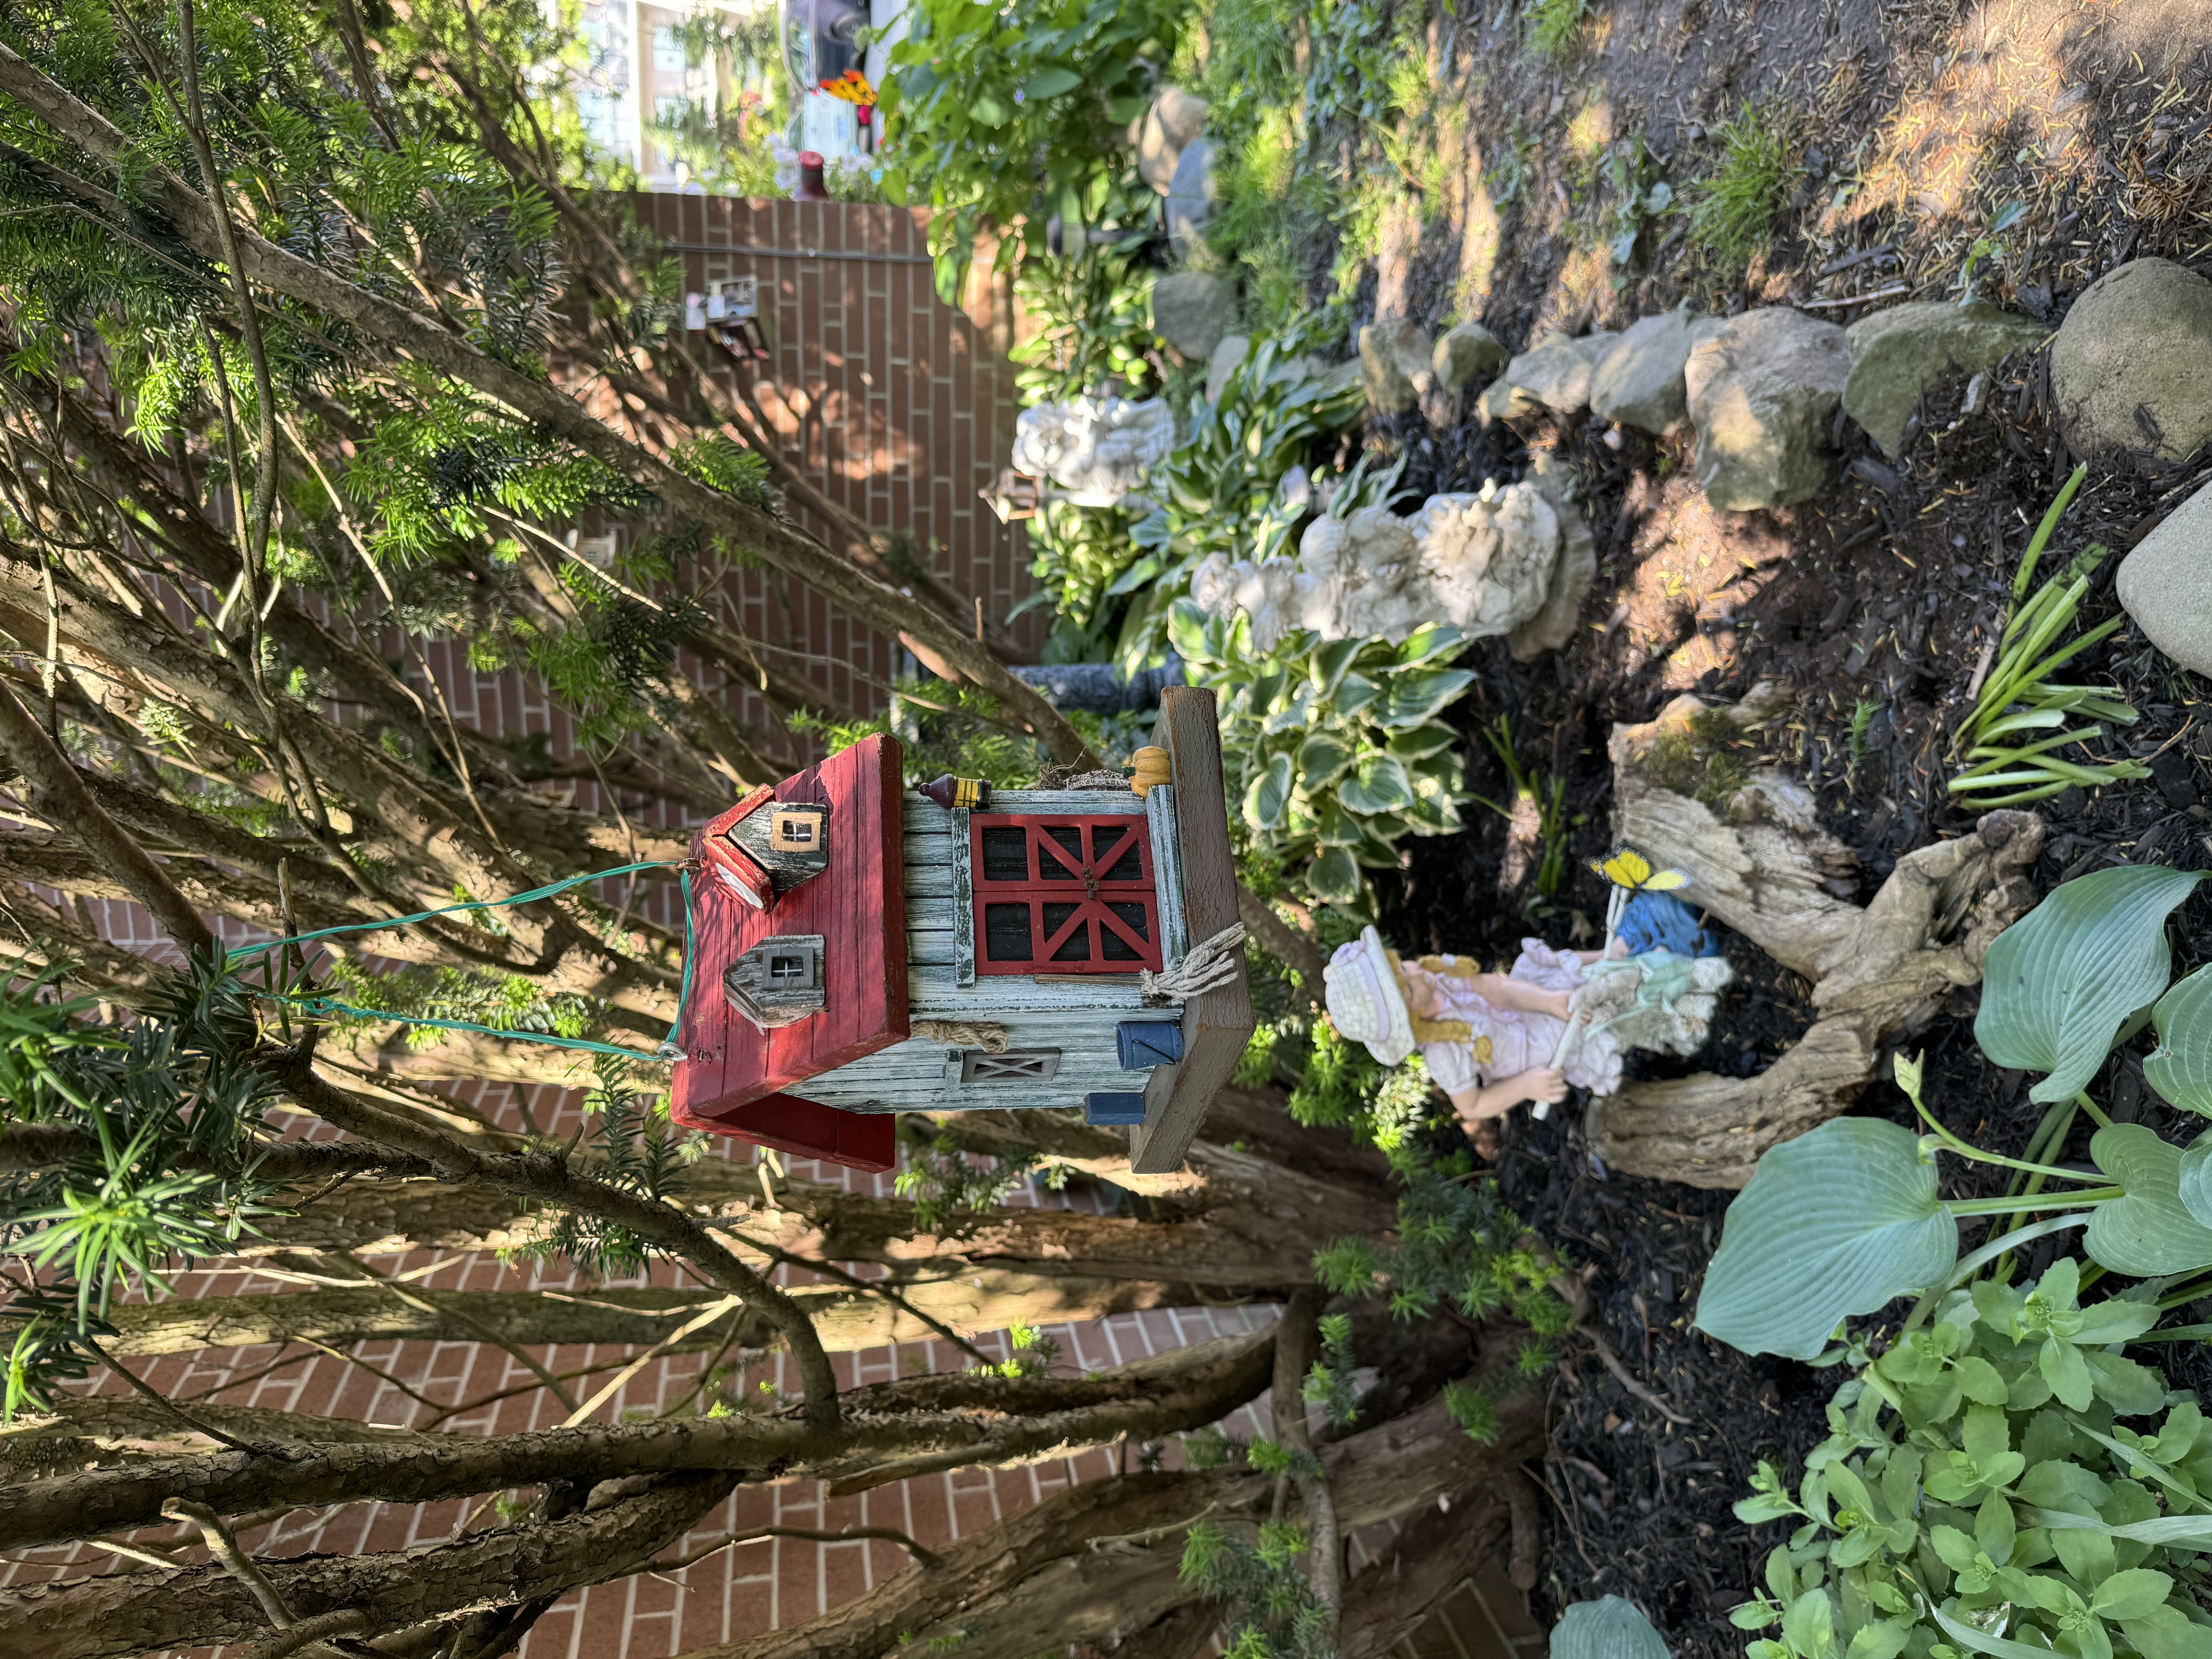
<point x="1554" y="374"/>
<point x="1394" y="354"/>
<point x="1232" y="351"/>
<point x="1637" y="380"/>
<point x="1897" y="355"/>
<point x="1177" y="118"/>
<point x="1762" y="389"/>
<point x="2166" y="584"/>
<point x="1574" y="572"/>
<point x="1095" y="448"/>
<point x="2131" y="367"/>
<point x="1191" y="196"/>
<point x="1193" y="311"/>
<point x="1483" y="561"/>
<point x="1466" y="352"/>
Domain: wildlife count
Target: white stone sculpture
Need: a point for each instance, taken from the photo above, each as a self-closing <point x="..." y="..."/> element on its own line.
<point x="1482" y="563"/>
<point x="1095" y="449"/>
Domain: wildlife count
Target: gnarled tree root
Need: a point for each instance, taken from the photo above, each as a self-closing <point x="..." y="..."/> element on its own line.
<point x="1759" y="861"/>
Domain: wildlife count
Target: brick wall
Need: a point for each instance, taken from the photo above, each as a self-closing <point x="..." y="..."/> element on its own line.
<point x="897" y="407"/>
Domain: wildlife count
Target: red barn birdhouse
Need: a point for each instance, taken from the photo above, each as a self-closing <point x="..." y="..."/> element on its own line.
<point x="861" y="951"/>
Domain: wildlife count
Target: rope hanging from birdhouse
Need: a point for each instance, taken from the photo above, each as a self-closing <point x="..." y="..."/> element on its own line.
<point x="986" y="1034"/>
<point x="667" y="1050"/>
<point x="1211" y="965"/>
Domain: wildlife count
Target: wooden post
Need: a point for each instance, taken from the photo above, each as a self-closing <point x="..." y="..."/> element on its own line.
<point x="1215" y="1026"/>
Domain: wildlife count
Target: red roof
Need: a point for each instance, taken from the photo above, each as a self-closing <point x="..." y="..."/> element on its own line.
<point x="731" y="1078"/>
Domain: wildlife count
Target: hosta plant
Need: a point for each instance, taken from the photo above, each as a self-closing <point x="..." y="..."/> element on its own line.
<point x="1845" y="1219"/>
<point x="1244" y="480"/>
<point x="1332" y="751"/>
<point x="1979" y="1492"/>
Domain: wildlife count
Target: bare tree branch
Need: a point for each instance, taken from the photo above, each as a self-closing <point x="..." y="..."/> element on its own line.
<point x="60" y="793"/>
<point x="1013" y="1419"/>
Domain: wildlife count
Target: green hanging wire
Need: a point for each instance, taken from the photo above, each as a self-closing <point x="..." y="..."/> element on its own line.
<point x="322" y="1005"/>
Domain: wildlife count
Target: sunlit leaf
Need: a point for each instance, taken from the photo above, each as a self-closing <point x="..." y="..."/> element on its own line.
<point x="2059" y="984"/>
<point x="1839" y="1221"/>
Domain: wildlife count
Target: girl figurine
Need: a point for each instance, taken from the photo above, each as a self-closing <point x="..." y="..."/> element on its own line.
<point x="1492" y="1040"/>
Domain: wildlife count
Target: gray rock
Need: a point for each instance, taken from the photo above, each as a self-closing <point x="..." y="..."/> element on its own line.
<point x="1555" y="374"/>
<point x="1394" y="357"/>
<point x="1233" y="349"/>
<point x="2131" y="367"/>
<point x="1191" y="195"/>
<point x="1572" y="575"/>
<point x="1638" y="381"/>
<point x="1897" y="355"/>
<point x="2166" y="584"/>
<point x="1191" y="311"/>
<point x="1762" y="388"/>
<point x="1502" y="400"/>
<point x="1465" y="354"/>
<point x="1174" y="119"/>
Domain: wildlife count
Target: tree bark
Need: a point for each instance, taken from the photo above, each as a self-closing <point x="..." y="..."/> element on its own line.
<point x="847" y="1320"/>
<point x="1047" y="1577"/>
<point x="124" y="1614"/>
<point x="971" y="1419"/>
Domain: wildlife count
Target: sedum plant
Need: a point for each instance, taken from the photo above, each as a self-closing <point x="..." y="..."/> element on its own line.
<point x="1332" y="751"/>
<point x="1977" y="1494"/>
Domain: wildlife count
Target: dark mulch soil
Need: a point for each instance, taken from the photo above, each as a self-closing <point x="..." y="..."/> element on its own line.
<point x="1877" y="596"/>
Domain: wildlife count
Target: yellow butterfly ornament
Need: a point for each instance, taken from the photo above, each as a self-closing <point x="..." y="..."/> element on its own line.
<point x="1630" y="871"/>
<point x="1625" y="867"/>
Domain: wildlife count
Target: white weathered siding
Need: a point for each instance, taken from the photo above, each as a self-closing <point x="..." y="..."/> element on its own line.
<point x="1075" y="1014"/>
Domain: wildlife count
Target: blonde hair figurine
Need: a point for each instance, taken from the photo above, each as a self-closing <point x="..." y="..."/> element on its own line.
<point x="1557" y="1018"/>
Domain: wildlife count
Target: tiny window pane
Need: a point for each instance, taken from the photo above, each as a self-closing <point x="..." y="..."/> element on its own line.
<point x="1006" y="934"/>
<point x="1006" y="854"/>
<point x="1130" y="865"/>
<point x="1069" y="840"/>
<point x="792" y="968"/>
<point x="1076" y="947"/>
<point x="1112" y="946"/>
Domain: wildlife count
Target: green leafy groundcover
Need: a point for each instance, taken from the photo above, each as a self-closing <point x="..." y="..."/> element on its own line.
<point x="1978" y="1493"/>
<point x="1999" y="1478"/>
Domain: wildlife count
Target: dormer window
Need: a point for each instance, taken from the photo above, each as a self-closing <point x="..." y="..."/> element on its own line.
<point x="779" y="982"/>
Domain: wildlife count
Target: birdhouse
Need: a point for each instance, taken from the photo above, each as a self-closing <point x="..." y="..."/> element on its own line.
<point x="859" y="951"/>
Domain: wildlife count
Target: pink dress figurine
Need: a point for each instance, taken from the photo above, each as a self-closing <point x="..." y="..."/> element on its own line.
<point x="1488" y="1038"/>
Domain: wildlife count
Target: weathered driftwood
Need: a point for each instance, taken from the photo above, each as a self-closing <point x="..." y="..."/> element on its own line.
<point x="1757" y="860"/>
